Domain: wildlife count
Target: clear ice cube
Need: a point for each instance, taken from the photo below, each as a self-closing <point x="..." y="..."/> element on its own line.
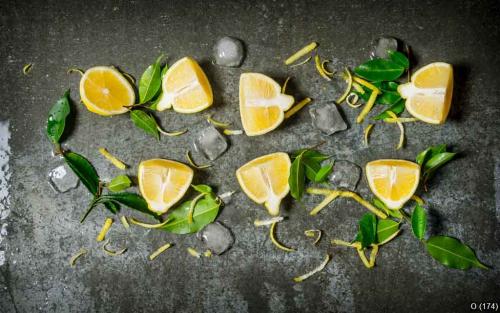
<point x="62" y="179"/>
<point x="381" y="45"/>
<point x="217" y="237"/>
<point x="229" y="51"/>
<point x="326" y="117"/>
<point x="345" y="174"/>
<point x="211" y="143"/>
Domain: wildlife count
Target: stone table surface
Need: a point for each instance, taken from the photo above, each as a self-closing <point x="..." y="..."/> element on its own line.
<point x="43" y="231"/>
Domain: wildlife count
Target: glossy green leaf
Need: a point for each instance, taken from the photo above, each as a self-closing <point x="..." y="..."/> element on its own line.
<point x="311" y="168"/>
<point x="150" y="81"/>
<point x="202" y="188"/>
<point x="385" y="229"/>
<point x="452" y="253"/>
<point x="419" y="222"/>
<point x="312" y="155"/>
<point x="119" y="183"/>
<point x="83" y="170"/>
<point x="396" y="108"/>
<point x="367" y="229"/>
<point x="296" y="180"/>
<point x="379" y="70"/>
<point x="428" y="153"/>
<point x="386" y="86"/>
<point x="438" y="160"/>
<point x="399" y="58"/>
<point x="323" y="173"/>
<point x="381" y="206"/>
<point x="131" y="200"/>
<point x="205" y="212"/>
<point x="56" y="121"/>
<point x="145" y="122"/>
<point x="389" y="98"/>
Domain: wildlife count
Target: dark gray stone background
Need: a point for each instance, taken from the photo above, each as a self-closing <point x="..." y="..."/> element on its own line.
<point x="44" y="229"/>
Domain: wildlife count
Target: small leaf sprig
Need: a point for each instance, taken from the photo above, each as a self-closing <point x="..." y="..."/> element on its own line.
<point x="307" y="165"/>
<point x="431" y="159"/>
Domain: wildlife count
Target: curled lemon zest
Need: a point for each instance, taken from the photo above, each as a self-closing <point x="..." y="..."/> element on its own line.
<point x="79" y="254"/>
<point x="112" y="252"/>
<point x="171" y="134"/>
<point x="191" y="162"/>
<point x="105" y="228"/>
<point x="323" y="67"/>
<point x="348" y="88"/>
<point x="192" y="206"/>
<point x="317" y="62"/>
<point x="418" y="200"/>
<point x="297" y="55"/>
<point x="276" y="242"/>
<point x="231" y="132"/>
<point x="217" y="123"/>
<point x="150" y="226"/>
<point x="75" y="70"/>
<point x="367" y="133"/>
<point x="159" y="251"/>
<point x="401" y="129"/>
<point x="269" y="221"/>
<point x="111" y="158"/>
<point x="368" y="106"/>
<point x="314" y="233"/>
<point x="27" y="68"/>
<point x="124" y="221"/>
<point x="301" y="278"/>
<point x="283" y="88"/>
<point x="352" y="99"/>
<point x="302" y="103"/>
<point x="302" y="62"/>
<point x="193" y="252"/>
<point x="363" y="82"/>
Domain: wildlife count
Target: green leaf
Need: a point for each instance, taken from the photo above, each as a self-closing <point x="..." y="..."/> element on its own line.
<point x="56" y="121"/>
<point x="205" y="212"/>
<point x="84" y="170"/>
<point x="396" y="108"/>
<point x="112" y="207"/>
<point x="438" y="160"/>
<point x="428" y="153"/>
<point x="323" y="173"/>
<point x="311" y="168"/>
<point x="205" y="189"/>
<point x="164" y="71"/>
<point x="367" y="229"/>
<point x="422" y="156"/>
<point x="145" y="122"/>
<point x="381" y="205"/>
<point x="389" y="98"/>
<point x="385" y="229"/>
<point x="119" y="183"/>
<point x="312" y="155"/>
<point x="386" y="86"/>
<point x="399" y="58"/>
<point x="419" y="222"/>
<point x="452" y="253"/>
<point x="129" y="199"/>
<point x="150" y="81"/>
<point x="297" y="178"/>
<point x="379" y="70"/>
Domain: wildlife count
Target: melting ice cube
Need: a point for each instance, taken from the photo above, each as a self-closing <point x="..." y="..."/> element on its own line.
<point x="381" y="45"/>
<point x="210" y="143"/>
<point x="345" y="174"/>
<point x="62" y="179"/>
<point x="217" y="237"/>
<point x="229" y="51"/>
<point x="326" y="117"/>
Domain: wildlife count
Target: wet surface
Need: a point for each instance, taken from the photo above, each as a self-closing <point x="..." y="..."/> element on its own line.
<point x="43" y="229"/>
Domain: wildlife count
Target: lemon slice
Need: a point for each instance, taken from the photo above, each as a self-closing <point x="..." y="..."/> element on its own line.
<point x="105" y="91"/>
<point x="261" y="103"/>
<point x="185" y="88"/>
<point x="163" y="182"/>
<point x="428" y="95"/>
<point x="265" y="180"/>
<point x="393" y="181"/>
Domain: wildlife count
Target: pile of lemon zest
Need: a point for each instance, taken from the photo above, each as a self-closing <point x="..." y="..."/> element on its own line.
<point x="302" y="103"/>
<point x="352" y="102"/>
<point x="389" y="238"/>
<point x="27" y="68"/>
<point x="314" y="233"/>
<point x="401" y="129"/>
<point x="75" y="70"/>
<point x="207" y="253"/>
<point x="269" y="221"/>
<point x="317" y="62"/>
<point x="283" y="88"/>
<point x="366" y="84"/>
<point x="124" y="221"/>
<point x="171" y="134"/>
<point x="323" y="67"/>
<point x="112" y="252"/>
<point x="302" y="62"/>
<point x="358" y="88"/>
<point x="191" y="162"/>
<point x="314" y="271"/>
<point x="104" y="230"/>
<point x="276" y="242"/>
<point x="150" y="226"/>
<point x="401" y="119"/>
<point x="80" y="253"/>
<point x="297" y="55"/>
<point x="193" y="252"/>
<point x="367" y="133"/>
<point x="230" y="132"/>
<point x="368" y="106"/>
<point x="333" y="194"/>
<point x="111" y="158"/>
<point x="217" y="123"/>
<point x="192" y="206"/>
<point x="418" y="200"/>
<point x="159" y="251"/>
<point x="348" y="88"/>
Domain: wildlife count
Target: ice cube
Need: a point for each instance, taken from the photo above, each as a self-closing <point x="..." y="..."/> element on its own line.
<point x="217" y="237"/>
<point x="211" y="143"/>
<point x="326" y="117"/>
<point x="381" y="45"/>
<point x="62" y="179"/>
<point x="345" y="174"/>
<point x="229" y="51"/>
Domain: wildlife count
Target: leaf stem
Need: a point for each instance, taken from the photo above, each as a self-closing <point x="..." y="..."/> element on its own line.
<point x="92" y="205"/>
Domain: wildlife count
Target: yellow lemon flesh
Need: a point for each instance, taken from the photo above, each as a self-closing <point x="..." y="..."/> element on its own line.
<point x="261" y="103"/>
<point x="428" y="95"/>
<point x="163" y="183"/>
<point x="185" y="88"/>
<point x="105" y="91"/>
<point x="265" y="180"/>
<point x="393" y="181"/>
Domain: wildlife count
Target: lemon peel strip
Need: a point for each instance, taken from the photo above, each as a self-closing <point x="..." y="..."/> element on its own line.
<point x="320" y="267"/>
<point x="111" y="158"/>
<point x="401" y="129"/>
<point x="297" y="55"/>
<point x="314" y="233"/>
<point x="317" y="62"/>
<point x="75" y="70"/>
<point x="112" y="252"/>
<point x="193" y="252"/>
<point x="348" y="88"/>
<point x="276" y="242"/>
<point x="79" y="254"/>
<point x="367" y="133"/>
<point x="269" y="221"/>
<point x="302" y="62"/>
<point x="302" y="103"/>
<point x="400" y="119"/>
<point x="27" y="68"/>
<point x="366" y="84"/>
<point x="283" y="88"/>
<point x="323" y="67"/>
<point x="192" y="206"/>
<point x="352" y="99"/>
<point x="207" y="253"/>
<point x="159" y="251"/>
<point x="368" y="106"/>
<point x="191" y="162"/>
<point x="358" y="88"/>
<point x="104" y="230"/>
<point x="150" y="226"/>
<point x="232" y="132"/>
<point x="124" y="221"/>
<point x="217" y="123"/>
<point x="417" y="199"/>
<point x="171" y="134"/>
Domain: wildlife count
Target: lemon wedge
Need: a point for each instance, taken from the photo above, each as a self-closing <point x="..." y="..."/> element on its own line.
<point x="262" y="104"/>
<point x="163" y="183"/>
<point x="393" y="181"/>
<point x="265" y="180"/>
